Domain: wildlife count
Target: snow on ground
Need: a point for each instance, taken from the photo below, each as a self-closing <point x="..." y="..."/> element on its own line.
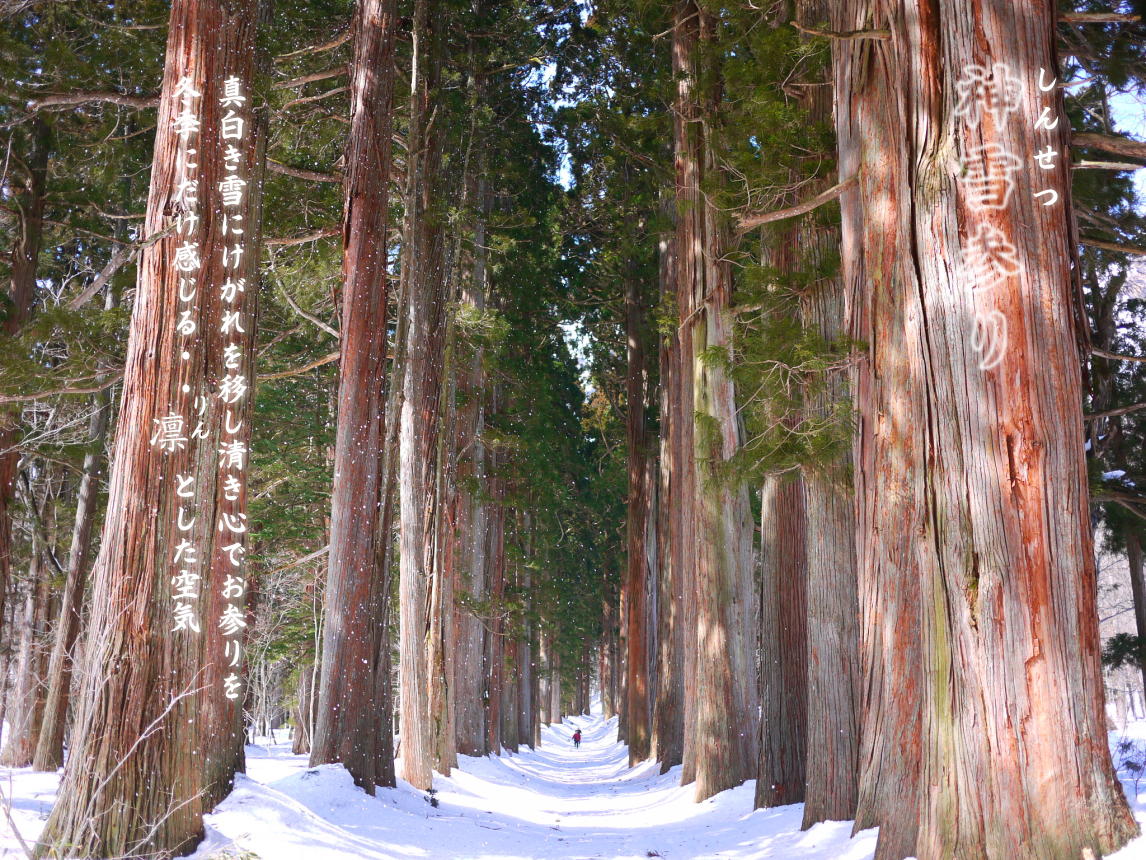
<point x="555" y="802"/>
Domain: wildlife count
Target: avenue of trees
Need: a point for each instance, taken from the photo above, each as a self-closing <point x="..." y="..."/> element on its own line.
<point x="768" y="370"/>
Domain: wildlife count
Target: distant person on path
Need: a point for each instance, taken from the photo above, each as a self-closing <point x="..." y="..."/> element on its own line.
<point x="577" y="739"/>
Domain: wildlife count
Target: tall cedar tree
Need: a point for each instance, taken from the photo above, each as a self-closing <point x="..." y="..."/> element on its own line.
<point x="155" y="737"/>
<point x="347" y="729"/>
<point x="983" y="731"/>
<point x="721" y="698"/>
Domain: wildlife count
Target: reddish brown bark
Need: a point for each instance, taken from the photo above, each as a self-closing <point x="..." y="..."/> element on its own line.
<point x="984" y="732"/>
<point x="423" y="272"/>
<point x="638" y="707"/>
<point x="472" y="519"/>
<point x="668" y="711"/>
<point x="783" y="643"/>
<point x="723" y="692"/>
<point x="150" y="693"/>
<point x="346" y="728"/>
<point x="832" y="608"/>
<point x="686" y="35"/>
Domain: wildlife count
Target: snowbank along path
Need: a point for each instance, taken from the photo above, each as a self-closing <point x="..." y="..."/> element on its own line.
<point x="553" y="802"/>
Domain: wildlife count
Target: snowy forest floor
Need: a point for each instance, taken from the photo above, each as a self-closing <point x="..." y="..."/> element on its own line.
<point x="554" y="802"/>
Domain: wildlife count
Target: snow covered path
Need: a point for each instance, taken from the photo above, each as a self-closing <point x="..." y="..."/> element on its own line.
<point x="555" y="802"/>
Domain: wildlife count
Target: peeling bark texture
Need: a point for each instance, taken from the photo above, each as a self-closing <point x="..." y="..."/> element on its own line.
<point x="668" y="710"/>
<point x="723" y="690"/>
<point x="783" y="643"/>
<point x="29" y="201"/>
<point x="686" y="193"/>
<point x="472" y="520"/>
<point x="423" y="270"/>
<point x="832" y="607"/>
<point x="638" y="707"/>
<point x="346" y="729"/>
<point x="151" y="695"/>
<point x="983" y="733"/>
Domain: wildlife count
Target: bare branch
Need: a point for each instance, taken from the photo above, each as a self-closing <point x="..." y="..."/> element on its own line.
<point x="284" y="241"/>
<point x="313" y="319"/>
<point x="1098" y="18"/>
<point x="748" y="222"/>
<point x="1115" y="356"/>
<point x="119" y="259"/>
<point x="7" y="804"/>
<point x="299" y="173"/>
<point x="40" y="395"/>
<point x="318" y="553"/>
<point x="1112" y="246"/>
<point x="341" y="39"/>
<point x="1112" y="143"/>
<point x="1106" y="165"/>
<point x="1111" y="413"/>
<point x="313" y="76"/>
<point x="60" y="100"/>
<point x="296" y="371"/>
<point x="315" y="98"/>
<point x="850" y="36"/>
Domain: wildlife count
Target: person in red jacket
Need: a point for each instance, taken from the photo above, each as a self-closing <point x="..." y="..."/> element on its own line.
<point x="577" y="739"/>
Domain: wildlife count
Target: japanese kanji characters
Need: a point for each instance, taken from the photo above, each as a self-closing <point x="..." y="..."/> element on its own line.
<point x="169" y="433"/>
<point x="989" y="256"/>
<point x="988" y="179"/>
<point x="988" y="176"/>
<point x="232" y="93"/>
<point x="992" y="91"/>
<point x="234" y="454"/>
<point x="201" y="210"/>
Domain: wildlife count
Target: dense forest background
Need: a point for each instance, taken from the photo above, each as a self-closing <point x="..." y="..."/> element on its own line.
<point x="583" y="366"/>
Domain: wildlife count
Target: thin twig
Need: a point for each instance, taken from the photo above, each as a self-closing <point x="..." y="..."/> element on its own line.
<point x="309" y="318"/>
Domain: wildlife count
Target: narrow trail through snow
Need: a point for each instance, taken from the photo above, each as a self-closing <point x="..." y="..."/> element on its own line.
<point x="553" y="802"/>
